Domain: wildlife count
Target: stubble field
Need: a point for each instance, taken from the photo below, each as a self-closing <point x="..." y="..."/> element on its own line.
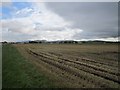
<point x="73" y="65"/>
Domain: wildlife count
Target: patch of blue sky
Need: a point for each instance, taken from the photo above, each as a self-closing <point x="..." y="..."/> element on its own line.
<point x="8" y="11"/>
<point x="0" y="13"/>
<point x="21" y="5"/>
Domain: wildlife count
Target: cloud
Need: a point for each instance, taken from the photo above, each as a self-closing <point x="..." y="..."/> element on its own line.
<point x="37" y="22"/>
<point x="24" y="12"/>
<point x="114" y="39"/>
<point x="62" y="21"/>
<point x="110" y="39"/>
<point x="96" y="19"/>
<point x="66" y="34"/>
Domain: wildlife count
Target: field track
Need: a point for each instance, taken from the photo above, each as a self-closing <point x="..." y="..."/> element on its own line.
<point x="82" y="71"/>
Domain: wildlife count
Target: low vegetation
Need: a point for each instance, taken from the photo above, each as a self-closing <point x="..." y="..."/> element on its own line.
<point x="17" y="72"/>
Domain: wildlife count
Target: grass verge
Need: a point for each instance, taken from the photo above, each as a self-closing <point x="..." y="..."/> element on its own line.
<point x="19" y="73"/>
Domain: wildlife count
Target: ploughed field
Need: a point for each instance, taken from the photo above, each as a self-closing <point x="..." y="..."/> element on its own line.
<point x="74" y="65"/>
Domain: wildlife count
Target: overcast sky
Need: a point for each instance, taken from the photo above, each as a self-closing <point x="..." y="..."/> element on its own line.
<point x="23" y="21"/>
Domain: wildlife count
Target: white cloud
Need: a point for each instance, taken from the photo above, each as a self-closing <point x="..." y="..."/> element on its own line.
<point x="24" y="12"/>
<point x="110" y="39"/>
<point x="114" y="39"/>
<point x="40" y="23"/>
<point x="66" y="34"/>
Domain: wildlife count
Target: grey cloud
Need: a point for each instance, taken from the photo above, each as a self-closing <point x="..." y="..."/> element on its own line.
<point x="96" y="19"/>
<point x="10" y="36"/>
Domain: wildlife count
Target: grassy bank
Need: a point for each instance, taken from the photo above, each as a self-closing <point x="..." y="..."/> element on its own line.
<point x="19" y="73"/>
<point x="0" y="66"/>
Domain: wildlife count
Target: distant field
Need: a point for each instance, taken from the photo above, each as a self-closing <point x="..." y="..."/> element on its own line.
<point x="73" y="65"/>
<point x="17" y="72"/>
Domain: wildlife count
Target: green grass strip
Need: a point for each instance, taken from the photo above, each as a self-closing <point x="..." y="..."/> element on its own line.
<point x="19" y="73"/>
